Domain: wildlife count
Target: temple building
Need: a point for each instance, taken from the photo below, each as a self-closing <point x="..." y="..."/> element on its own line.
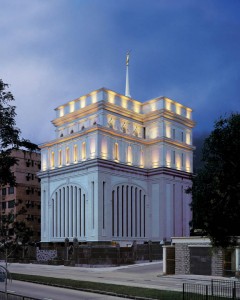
<point x="117" y="170"/>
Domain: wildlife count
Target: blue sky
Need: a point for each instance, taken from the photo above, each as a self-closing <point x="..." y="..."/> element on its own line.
<point x="53" y="51"/>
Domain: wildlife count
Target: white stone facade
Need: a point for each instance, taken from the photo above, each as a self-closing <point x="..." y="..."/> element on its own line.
<point x="117" y="170"/>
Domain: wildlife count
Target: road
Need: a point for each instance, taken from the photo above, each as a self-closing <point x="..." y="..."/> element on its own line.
<point x="51" y="293"/>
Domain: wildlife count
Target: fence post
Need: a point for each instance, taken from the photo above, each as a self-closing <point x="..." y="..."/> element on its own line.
<point x="212" y="286"/>
<point x="234" y="290"/>
<point x="206" y="292"/>
<point x="183" y="291"/>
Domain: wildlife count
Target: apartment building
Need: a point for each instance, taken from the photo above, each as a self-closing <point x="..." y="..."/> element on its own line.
<point x="24" y="199"/>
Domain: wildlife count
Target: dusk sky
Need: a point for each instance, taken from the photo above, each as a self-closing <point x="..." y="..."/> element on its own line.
<point x="54" y="51"/>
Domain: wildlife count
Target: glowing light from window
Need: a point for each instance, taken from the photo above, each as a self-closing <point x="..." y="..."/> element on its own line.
<point x="83" y="102"/>
<point x="94" y="98"/>
<point x="155" y="158"/>
<point x="75" y="153"/>
<point x="178" y="109"/>
<point x="104" y="148"/>
<point x="178" y="162"/>
<point x="124" y="102"/>
<point x="92" y="148"/>
<point x="52" y="160"/>
<point x="111" y="98"/>
<point x="188" y="164"/>
<point x="71" y="106"/>
<point x="60" y="158"/>
<point x="116" y="152"/>
<point x="153" y="106"/>
<point x="141" y="159"/>
<point x="61" y="111"/>
<point x="84" y="150"/>
<point x="168" y="159"/>
<point x="168" y="104"/>
<point x="168" y="131"/>
<point x="67" y="156"/>
<point x="154" y="132"/>
<point x="188" y="113"/>
<point x="188" y="138"/>
<point x="129" y="155"/>
<point x="44" y="162"/>
<point x="136" y="107"/>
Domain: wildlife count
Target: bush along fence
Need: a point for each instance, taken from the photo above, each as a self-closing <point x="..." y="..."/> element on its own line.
<point x="112" y="254"/>
<point x="215" y="289"/>
<point x="77" y="253"/>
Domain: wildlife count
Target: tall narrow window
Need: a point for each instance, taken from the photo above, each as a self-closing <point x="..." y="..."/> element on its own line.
<point x="60" y="158"/>
<point x="116" y="154"/>
<point x="182" y="136"/>
<point x="182" y="160"/>
<point x="173" y="134"/>
<point x="129" y="155"/>
<point x="52" y="160"/>
<point x="144" y="132"/>
<point x="75" y="153"/>
<point x="67" y="155"/>
<point x="141" y="159"/>
<point x="174" y="157"/>
<point x="84" y="150"/>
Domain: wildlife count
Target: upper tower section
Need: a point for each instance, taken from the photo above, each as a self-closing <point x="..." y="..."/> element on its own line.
<point x="107" y="125"/>
<point x="107" y="108"/>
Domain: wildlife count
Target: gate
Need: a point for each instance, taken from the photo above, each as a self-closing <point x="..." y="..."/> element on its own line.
<point x="200" y="261"/>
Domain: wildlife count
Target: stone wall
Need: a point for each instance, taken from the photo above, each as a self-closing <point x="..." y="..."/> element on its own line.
<point x="217" y="262"/>
<point x="182" y="259"/>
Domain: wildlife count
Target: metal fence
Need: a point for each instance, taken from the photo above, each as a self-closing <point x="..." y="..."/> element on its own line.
<point x="214" y="289"/>
<point x="10" y="296"/>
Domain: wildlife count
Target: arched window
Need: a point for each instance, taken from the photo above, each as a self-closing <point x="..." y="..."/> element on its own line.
<point x="60" y="158"/>
<point x="67" y="155"/>
<point x="75" y="153"/>
<point x="129" y="155"/>
<point x="52" y="159"/>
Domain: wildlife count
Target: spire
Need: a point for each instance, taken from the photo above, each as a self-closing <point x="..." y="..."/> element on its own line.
<point x="127" y="89"/>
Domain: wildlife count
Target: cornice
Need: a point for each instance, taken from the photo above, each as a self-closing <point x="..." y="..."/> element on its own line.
<point x="122" y="112"/>
<point x="112" y="165"/>
<point x="113" y="133"/>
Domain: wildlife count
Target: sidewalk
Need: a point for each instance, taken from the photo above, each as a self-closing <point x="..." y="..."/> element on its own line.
<point x="147" y="275"/>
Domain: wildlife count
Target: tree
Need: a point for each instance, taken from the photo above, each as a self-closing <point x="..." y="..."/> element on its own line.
<point x="216" y="187"/>
<point x="9" y="136"/>
<point x="11" y="230"/>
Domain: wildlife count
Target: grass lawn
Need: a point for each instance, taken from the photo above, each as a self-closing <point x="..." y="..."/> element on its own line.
<point x="101" y="287"/>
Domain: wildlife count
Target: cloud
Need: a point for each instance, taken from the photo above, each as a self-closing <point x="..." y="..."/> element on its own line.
<point x="55" y="51"/>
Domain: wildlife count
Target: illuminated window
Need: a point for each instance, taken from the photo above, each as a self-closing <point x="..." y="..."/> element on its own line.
<point x="60" y="157"/>
<point x="141" y="159"/>
<point x="75" y="153"/>
<point x="116" y="154"/>
<point x="52" y="160"/>
<point x="129" y="155"/>
<point x="67" y="156"/>
<point x="84" y="150"/>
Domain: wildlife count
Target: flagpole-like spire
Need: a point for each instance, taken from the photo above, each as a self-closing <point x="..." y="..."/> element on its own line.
<point x="127" y="89"/>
